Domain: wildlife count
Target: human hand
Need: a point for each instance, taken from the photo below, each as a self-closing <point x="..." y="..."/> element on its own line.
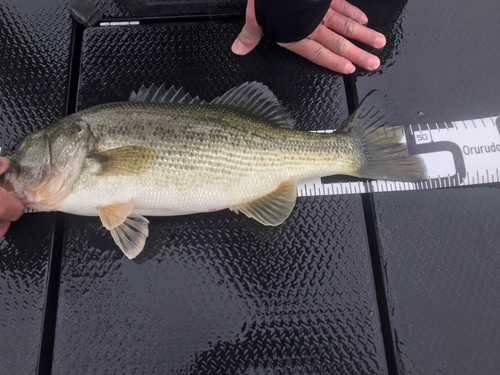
<point x="11" y="208"/>
<point x="327" y="44"/>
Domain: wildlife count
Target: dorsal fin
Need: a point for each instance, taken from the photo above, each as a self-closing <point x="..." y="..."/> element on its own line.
<point x="253" y="98"/>
<point x="256" y="99"/>
<point x="162" y="95"/>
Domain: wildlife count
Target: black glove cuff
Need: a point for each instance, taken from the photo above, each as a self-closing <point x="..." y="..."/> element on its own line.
<point x="286" y="21"/>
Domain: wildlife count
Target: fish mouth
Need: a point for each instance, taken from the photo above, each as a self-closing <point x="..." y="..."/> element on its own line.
<point x="49" y="190"/>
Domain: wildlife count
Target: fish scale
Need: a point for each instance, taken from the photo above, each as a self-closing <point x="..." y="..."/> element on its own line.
<point x="241" y="160"/>
<point x="166" y="153"/>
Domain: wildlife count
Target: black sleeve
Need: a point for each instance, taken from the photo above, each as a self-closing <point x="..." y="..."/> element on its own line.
<point x="288" y="21"/>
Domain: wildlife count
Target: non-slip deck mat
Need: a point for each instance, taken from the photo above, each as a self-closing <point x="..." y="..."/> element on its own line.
<point x="440" y="249"/>
<point x="218" y="293"/>
<point x="35" y="41"/>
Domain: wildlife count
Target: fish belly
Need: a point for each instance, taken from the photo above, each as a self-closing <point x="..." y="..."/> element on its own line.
<point x="168" y="193"/>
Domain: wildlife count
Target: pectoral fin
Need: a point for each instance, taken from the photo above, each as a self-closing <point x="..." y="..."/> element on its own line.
<point x="127" y="229"/>
<point x="273" y="208"/>
<point x="131" y="235"/>
<point x="128" y="161"/>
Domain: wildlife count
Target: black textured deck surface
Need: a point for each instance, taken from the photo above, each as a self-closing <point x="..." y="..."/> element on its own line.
<point x="443" y="290"/>
<point x="24" y="263"/>
<point x="218" y="293"/>
<point x="440" y="249"/>
<point x="394" y="283"/>
<point x="35" y="41"/>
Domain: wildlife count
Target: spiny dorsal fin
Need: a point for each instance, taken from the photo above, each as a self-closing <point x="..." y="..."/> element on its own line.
<point x="374" y="111"/>
<point x="256" y="99"/>
<point x="273" y="208"/>
<point x="162" y="95"/>
<point x="253" y="98"/>
<point x="128" y="160"/>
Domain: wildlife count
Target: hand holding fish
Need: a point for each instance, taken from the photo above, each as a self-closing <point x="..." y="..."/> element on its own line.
<point x="326" y="45"/>
<point x="11" y="208"/>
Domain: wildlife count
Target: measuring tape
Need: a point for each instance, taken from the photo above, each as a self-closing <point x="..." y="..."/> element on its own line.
<point x="455" y="153"/>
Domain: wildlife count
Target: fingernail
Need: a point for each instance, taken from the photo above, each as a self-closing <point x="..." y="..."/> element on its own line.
<point x="363" y="19"/>
<point x="238" y="48"/>
<point x="380" y="41"/>
<point x="349" y="68"/>
<point x="373" y="63"/>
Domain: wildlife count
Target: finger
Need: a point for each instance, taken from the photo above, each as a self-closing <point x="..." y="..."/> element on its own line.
<point x="348" y="28"/>
<point x="348" y="10"/>
<point x="251" y="33"/>
<point x="4" y="165"/>
<point x="4" y="226"/>
<point x="342" y="47"/>
<point x="318" y="54"/>
<point x="11" y="208"/>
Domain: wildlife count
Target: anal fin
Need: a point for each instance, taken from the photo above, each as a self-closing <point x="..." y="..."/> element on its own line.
<point x="131" y="235"/>
<point x="273" y="208"/>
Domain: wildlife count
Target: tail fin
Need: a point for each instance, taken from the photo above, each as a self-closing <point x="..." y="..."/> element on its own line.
<point x="384" y="156"/>
<point x="387" y="159"/>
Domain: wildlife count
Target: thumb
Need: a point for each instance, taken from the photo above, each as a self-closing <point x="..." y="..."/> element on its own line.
<point x="251" y="34"/>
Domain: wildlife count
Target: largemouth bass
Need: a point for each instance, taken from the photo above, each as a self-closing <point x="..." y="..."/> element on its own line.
<point x="166" y="153"/>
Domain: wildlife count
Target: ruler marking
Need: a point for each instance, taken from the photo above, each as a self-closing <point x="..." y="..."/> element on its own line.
<point x="468" y="140"/>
